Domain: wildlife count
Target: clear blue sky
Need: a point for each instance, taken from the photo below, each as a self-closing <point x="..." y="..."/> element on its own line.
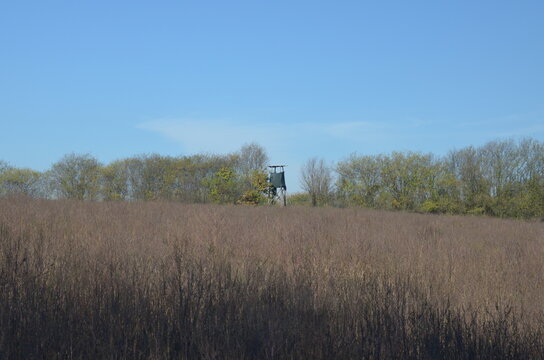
<point x="302" y="78"/>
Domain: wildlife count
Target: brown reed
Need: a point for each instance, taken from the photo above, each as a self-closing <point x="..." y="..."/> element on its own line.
<point x="163" y="280"/>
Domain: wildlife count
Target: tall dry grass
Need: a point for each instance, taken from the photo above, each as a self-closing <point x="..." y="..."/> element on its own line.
<point x="163" y="280"/>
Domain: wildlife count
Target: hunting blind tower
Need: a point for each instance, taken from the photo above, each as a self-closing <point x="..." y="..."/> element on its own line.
<point x="277" y="187"/>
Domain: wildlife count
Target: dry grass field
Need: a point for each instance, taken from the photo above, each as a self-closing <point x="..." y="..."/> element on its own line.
<point x="164" y="280"/>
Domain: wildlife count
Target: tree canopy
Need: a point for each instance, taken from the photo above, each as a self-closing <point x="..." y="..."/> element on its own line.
<point x="501" y="178"/>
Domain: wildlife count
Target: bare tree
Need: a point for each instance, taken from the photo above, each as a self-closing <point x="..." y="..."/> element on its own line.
<point x="316" y="179"/>
<point x="252" y="157"/>
<point x="4" y="166"/>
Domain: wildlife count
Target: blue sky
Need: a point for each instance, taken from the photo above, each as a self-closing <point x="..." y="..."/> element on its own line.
<point x="302" y="78"/>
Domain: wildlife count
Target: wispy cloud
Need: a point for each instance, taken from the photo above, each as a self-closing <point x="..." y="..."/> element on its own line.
<point x="220" y="135"/>
<point x="225" y="136"/>
<point x="206" y="135"/>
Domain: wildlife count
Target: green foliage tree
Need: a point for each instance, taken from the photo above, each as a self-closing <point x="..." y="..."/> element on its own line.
<point x="299" y="199"/>
<point x="256" y="194"/>
<point x="467" y="166"/>
<point x="223" y="187"/>
<point x="76" y="177"/>
<point x="206" y="169"/>
<point x="446" y="193"/>
<point x="360" y="180"/>
<point x="158" y="177"/>
<point x="14" y="181"/>
<point x="502" y="178"/>
<point x="115" y="181"/>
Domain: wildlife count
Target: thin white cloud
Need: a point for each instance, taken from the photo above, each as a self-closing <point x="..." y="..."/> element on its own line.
<point x="205" y="136"/>
<point x="221" y="136"/>
<point x="294" y="140"/>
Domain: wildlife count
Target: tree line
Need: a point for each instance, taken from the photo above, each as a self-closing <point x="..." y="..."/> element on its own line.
<point x="501" y="178"/>
<point x="238" y="177"/>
